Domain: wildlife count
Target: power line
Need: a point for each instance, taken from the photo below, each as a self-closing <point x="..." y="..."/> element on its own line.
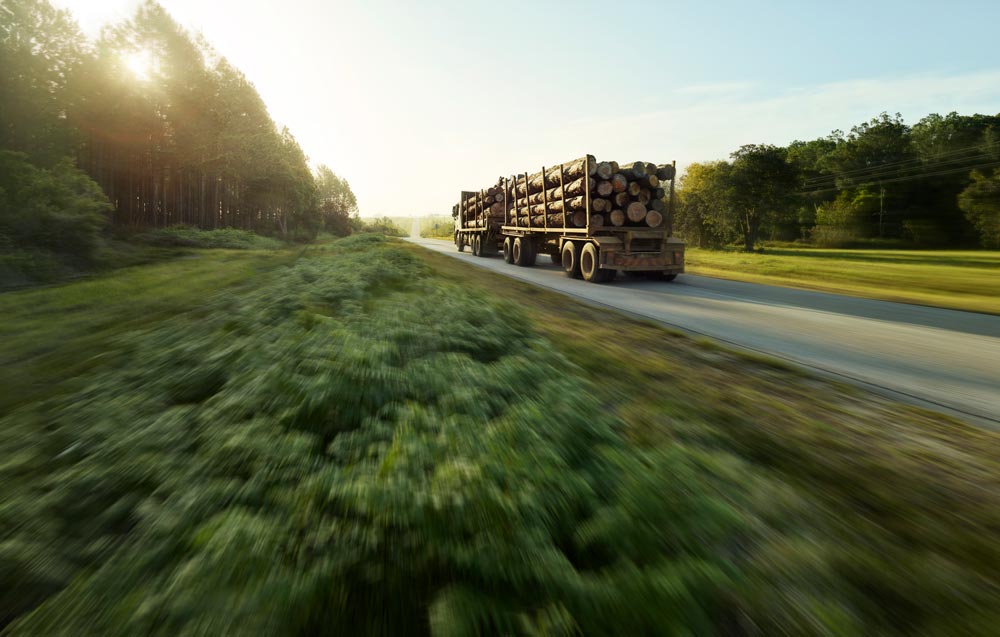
<point x="992" y="164"/>
<point x="983" y="148"/>
<point x="906" y="170"/>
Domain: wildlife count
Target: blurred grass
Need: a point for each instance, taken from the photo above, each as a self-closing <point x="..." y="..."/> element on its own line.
<point x="897" y="504"/>
<point x="51" y="336"/>
<point x="957" y="279"/>
<point x="372" y="438"/>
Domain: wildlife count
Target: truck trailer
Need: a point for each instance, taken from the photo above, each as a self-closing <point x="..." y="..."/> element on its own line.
<point x="593" y="219"/>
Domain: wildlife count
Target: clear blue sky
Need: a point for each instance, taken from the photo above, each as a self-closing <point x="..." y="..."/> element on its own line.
<point x="479" y="89"/>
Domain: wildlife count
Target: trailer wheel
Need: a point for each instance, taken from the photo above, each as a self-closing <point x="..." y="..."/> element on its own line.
<point x="460" y="242"/>
<point x="590" y="266"/>
<point x="530" y="252"/>
<point x="476" y="246"/>
<point x="571" y="259"/>
<point x="484" y="246"/>
<point x="522" y="253"/>
<point x="508" y="250"/>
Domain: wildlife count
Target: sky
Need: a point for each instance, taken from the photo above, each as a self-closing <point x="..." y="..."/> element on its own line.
<point x="413" y="102"/>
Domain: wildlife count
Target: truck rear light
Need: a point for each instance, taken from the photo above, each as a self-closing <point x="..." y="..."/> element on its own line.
<point x="678" y="258"/>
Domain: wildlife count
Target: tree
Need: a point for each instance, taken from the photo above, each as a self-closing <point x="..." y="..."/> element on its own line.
<point x="980" y="202"/>
<point x="41" y="49"/>
<point x="700" y="215"/>
<point x="336" y="201"/>
<point x="874" y="152"/>
<point x="761" y="189"/>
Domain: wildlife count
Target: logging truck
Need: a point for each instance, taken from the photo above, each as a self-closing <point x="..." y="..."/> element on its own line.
<point x="593" y="219"/>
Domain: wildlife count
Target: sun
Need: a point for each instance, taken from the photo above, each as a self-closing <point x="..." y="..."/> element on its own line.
<point x="139" y="63"/>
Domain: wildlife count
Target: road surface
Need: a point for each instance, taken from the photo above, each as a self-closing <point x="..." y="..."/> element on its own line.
<point x="941" y="359"/>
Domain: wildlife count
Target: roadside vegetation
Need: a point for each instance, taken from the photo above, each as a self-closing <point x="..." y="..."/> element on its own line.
<point x="935" y="184"/>
<point x="437" y="227"/>
<point x="960" y="280"/>
<point x="369" y="438"/>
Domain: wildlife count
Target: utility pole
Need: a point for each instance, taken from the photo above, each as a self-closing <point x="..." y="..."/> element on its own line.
<point x="881" y="209"/>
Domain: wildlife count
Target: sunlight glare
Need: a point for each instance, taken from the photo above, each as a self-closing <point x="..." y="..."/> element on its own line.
<point x="139" y="63"/>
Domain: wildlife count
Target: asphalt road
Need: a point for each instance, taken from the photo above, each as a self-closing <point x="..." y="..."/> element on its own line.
<point x="941" y="359"/>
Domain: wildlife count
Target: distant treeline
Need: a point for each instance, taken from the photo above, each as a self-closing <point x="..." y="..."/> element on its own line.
<point x="167" y="128"/>
<point x="935" y="184"/>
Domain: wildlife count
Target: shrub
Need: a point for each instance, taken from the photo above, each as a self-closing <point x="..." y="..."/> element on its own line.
<point x="190" y="237"/>
<point x="50" y="219"/>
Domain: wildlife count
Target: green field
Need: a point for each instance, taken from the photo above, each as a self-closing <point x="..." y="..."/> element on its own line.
<point x="956" y="279"/>
<point x="367" y="437"/>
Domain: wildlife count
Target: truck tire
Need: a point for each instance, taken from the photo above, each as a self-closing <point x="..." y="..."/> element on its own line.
<point x="487" y="248"/>
<point x="508" y="250"/>
<point x="531" y="253"/>
<point x="460" y="242"/>
<point x="476" y="246"/>
<point x="590" y="266"/>
<point x="522" y="252"/>
<point x="571" y="260"/>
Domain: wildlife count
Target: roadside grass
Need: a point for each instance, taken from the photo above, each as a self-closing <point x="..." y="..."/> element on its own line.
<point x="53" y="336"/>
<point x="961" y="280"/>
<point x="893" y="506"/>
<point x="373" y="438"/>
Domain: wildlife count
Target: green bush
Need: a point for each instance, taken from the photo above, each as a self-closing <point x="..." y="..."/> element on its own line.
<point x="50" y="220"/>
<point x="190" y="237"/>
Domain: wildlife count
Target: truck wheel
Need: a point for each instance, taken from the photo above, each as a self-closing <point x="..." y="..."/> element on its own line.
<point x="476" y="246"/>
<point x="508" y="250"/>
<point x="521" y="252"/>
<point x="530" y="252"/>
<point x="590" y="266"/>
<point x="571" y="260"/>
<point x="460" y="242"/>
<point x="487" y="248"/>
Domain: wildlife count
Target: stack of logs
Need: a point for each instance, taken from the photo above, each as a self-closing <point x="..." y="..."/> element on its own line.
<point x="620" y="195"/>
<point x="481" y="209"/>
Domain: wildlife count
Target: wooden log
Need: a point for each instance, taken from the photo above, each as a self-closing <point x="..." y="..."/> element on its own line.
<point x="619" y="182"/>
<point x="572" y="171"/>
<point x="658" y="206"/>
<point x="596" y="221"/>
<point x="600" y="205"/>
<point x="617" y="218"/>
<point x="654" y="219"/>
<point x="659" y="193"/>
<point x="634" y="188"/>
<point x="580" y="219"/>
<point x="665" y="172"/>
<point x="571" y="189"/>
<point x="636" y="211"/>
<point x="605" y="188"/>
<point x="650" y="168"/>
<point x="615" y="167"/>
<point x="621" y="199"/>
<point x="604" y="170"/>
<point x="571" y="203"/>
<point x="634" y="169"/>
<point x="644" y="196"/>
